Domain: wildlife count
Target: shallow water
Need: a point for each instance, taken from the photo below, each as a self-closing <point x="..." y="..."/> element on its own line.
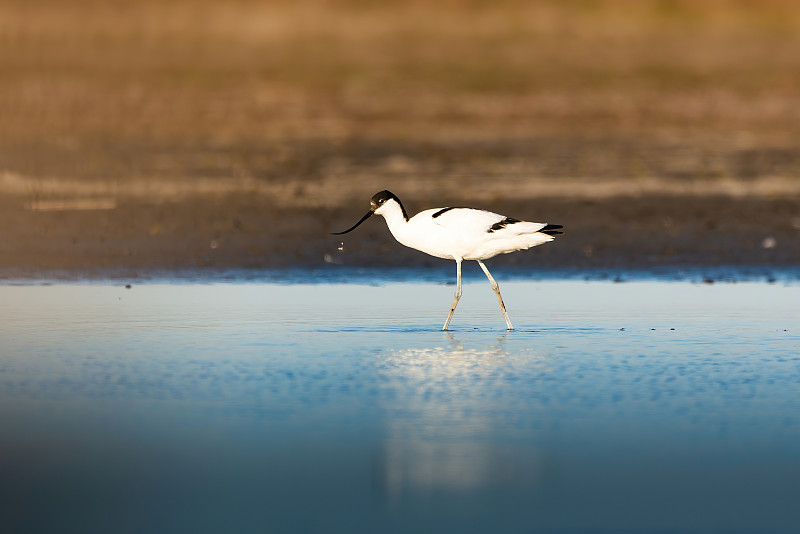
<point x="635" y="407"/>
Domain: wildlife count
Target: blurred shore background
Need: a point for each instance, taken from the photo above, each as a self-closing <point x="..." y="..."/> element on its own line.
<point x="198" y="134"/>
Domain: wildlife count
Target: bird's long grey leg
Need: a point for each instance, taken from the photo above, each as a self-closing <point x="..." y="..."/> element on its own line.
<point x="497" y="292"/>
<point x="458" y="294"/>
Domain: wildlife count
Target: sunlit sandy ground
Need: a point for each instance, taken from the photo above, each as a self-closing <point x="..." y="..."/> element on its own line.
<point x="207" y="134"/>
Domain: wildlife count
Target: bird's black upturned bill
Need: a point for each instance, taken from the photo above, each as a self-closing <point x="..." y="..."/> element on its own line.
<point x="364" y="218"/>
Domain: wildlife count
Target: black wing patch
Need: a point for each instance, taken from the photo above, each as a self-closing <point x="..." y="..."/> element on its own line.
<point x="552" y="229"/>
<point x="502" y="224"/>
<point x="441" y="211"/>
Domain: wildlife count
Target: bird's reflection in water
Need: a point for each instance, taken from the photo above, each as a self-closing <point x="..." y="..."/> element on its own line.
<point x="450" y="425"/>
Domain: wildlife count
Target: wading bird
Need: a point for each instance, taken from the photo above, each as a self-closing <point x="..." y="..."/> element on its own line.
<point x="459" y="234"/>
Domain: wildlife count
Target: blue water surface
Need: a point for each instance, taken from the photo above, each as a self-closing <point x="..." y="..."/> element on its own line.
<point x="648" y="406"/>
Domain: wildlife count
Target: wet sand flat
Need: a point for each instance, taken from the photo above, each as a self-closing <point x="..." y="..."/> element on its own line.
<point x="212" y="234"/>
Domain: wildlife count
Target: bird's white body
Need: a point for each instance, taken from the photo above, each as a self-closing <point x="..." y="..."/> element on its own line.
<point x="459" y="234"/>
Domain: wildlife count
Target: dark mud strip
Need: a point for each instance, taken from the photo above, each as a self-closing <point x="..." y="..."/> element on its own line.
<point x="247" y="232"/>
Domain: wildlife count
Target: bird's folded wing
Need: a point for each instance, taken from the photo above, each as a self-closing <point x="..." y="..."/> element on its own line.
<point x="474" y="221"/>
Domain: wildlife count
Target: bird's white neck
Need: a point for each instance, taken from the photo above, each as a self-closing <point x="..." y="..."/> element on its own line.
<point x="395" y="219"/>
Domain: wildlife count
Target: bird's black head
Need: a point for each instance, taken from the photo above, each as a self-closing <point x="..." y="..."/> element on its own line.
<point x="378" y="200"/>
<point x="381" y="198"/>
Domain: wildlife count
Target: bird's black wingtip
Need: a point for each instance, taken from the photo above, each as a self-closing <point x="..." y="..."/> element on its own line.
<point x="552" y="229"/>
